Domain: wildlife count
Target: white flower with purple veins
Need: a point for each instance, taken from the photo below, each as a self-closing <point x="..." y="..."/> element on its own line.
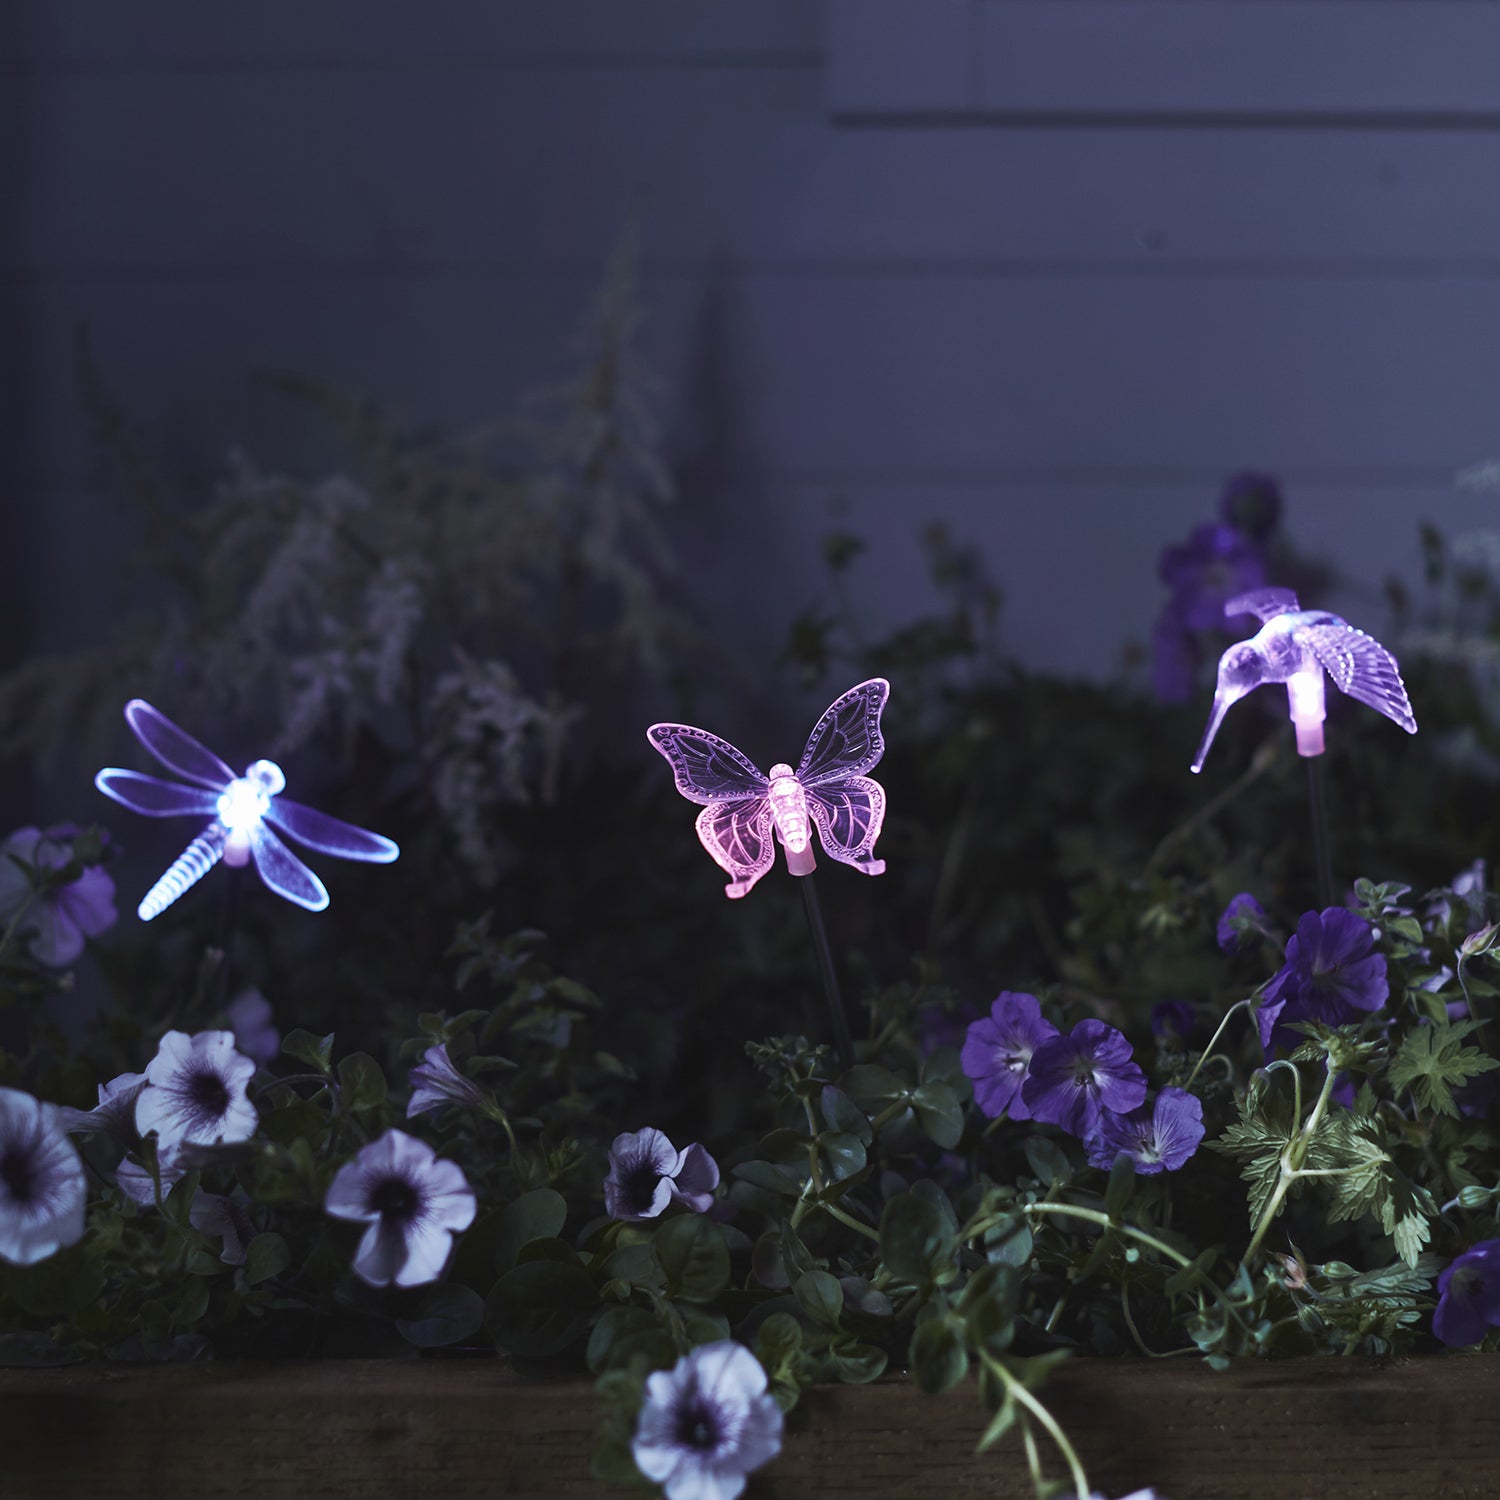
<point x="195" y="1092"/>
<point x="706" y="1423"/>
<point x="224" y="1219"/>
<point x="58" y="917"/>
<point x="436" y="1083"/>
<point x="646" y="1172"/>
<point x="414" y="1203"/>
<point x="114" y="1118"/>
<point x="43" y="1191"/>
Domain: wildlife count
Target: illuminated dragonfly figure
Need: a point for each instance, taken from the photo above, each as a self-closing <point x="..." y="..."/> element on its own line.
<point x="1297" y="646"/>
<point x="828" y="792"/>
<point x="244" y="811"/>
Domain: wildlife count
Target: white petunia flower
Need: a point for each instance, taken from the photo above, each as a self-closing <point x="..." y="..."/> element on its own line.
<point x="43" y="1191"/>
<point x="195" y="1092"/>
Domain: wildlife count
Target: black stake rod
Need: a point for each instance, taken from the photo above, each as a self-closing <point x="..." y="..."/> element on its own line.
<point x="1319" y="810"/>
<point x="842" y="1041"/>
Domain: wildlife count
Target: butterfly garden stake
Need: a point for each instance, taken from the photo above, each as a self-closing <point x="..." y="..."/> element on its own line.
<point x="1297" y="646"/>
<point x="747" y="812"/>
<point x="244" y="811"/>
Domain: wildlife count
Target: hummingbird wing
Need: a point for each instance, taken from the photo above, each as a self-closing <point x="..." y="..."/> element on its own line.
<point x="1264" y="604"/>
<point x="1361" y="667"/>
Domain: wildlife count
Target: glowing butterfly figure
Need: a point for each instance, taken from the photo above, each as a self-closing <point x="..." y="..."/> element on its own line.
<point x="1296" y="646"/>
<point x="828" y="791"/>
<point x="245" y="809"/>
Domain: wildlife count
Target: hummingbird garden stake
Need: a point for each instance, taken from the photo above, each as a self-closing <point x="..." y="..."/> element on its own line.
<point x="745" y="811"/>
<point x="1297" y="646"/>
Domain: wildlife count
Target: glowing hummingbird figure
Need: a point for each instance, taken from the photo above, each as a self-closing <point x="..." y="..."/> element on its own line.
<point x="244" y="809"/>
<point x="1296" y="646"/>
<point x="828" y="792"/>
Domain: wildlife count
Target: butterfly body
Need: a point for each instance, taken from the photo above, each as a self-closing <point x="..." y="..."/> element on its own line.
<point x="745" y="812"/>
<point x="245" y="813"/>
<point x="1298" y="647"/>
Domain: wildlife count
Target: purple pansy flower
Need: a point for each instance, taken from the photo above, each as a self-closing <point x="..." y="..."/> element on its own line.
<point x="646" y="1172"/>
<point x="414" y="1203"/>
<point x="1074" y="1078"/>
<point x="1173" y="1021"/>
<point x="195" y="1092"/>
<point x="60" y="917"/>
<point x="706" y="1423"/>
<point x="1241" y="922"/>
<point x="226" y="1219"/>
<point x="1469" y="1296"/>
<point x="436" y="1083"/>
<point x="43" y="1191"/>
<point x="997" y="1051"/>
<point x="1159" y="1138"/>
<point x="1332" y="974"/>
<point x="1210" y="568"/>
<point x="255" y="1033"/>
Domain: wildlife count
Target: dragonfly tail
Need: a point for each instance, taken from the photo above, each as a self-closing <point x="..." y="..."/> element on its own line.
<point x="187" y="870"/>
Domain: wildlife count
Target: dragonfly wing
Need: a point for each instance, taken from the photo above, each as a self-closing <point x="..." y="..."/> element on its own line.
<point x="153" y="797"/>
<point x="849" y="814"/>
<point x="846" y="740"/>
<point x="738" y="836"/>
<point x="1264" y="604"/>
<point x="329" y="835"/>
<point x="175" y="750"/>
<point x="1361" y="667"/>
<point x="706" y="768"/>
<point x="284" y="872"/>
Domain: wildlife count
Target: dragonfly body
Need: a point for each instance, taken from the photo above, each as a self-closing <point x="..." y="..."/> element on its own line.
<point x="245" y="813"/>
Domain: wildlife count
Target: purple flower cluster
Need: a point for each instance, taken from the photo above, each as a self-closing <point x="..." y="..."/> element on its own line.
<point x="647" y="1172"/>
<point x="1242" y="921"/>
<point x="1332" y="974"/>
<point x="59" y="917"/>
<point x="1086" y="1082"/>
<point x="1469" y="1296"/>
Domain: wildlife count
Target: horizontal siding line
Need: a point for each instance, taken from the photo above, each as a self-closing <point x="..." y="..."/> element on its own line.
<point x="710" y="269"/>
<point x="466" y="62"/>
<point x="1167" y="119"/>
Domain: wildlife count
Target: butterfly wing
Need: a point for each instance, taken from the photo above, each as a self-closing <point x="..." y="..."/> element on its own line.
<point x="329" y="835"/>
<point x="846" y="741"/>
<point x="153" y="797"/>
<point x="706" y="768"/>
<point x="284" y="872"/>
<point x="849" y="814"/>
<point x="1361" y="667"/>
<point x="738" y="836"/>
<point x="175" y="750"/>
<point x="1264" y="604"/>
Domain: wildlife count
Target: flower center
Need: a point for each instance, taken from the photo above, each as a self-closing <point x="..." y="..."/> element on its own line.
<point x="640" y="1186"/>
<point x="697" y="1427"/>
<point x="207" y="1091"/>
<point x="17" y="1175"/>
<point x="395" y="1200"/>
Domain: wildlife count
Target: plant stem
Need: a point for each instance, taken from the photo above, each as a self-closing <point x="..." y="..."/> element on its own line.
<point x="1204" y="1055"/>
<point x="1018" y="1392"/>
<point x="842" y="1041"/>
<point x="1319" y="810"/>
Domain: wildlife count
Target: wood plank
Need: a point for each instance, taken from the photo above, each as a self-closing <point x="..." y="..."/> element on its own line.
<point x="222" y="1432"/>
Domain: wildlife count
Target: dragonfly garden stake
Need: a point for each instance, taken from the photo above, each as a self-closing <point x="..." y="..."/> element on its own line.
<point x="747" y="811"/>
<point x="245" y="813"/>
<point x="1297" y="646"/>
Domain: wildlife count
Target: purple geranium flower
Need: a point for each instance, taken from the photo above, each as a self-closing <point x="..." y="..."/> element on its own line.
<point x="1174" y="657"/>
<point x="706" y="1423"/>
<point x="42" y="1187"/>
<point x="1243" y="920"/>
<point x="436" y="1083"/>
<point x="255" y="1034"/>
<point x="1332" y="973"/>
<point x="997" y="1051"/>
<point x="1469" y="1296"/>
<point x="224" y="1219"/>
<point x="1074" y="1078"/>
<point x="58" y="917"/>
<point x="1156" y="1139"/>
<point x="414" y="1203"/>
<point x="646" y="1172"/>
<point x="1210" y="568"/>
<point x="1173" y="1021"/>
<point x="195" y="1092"/>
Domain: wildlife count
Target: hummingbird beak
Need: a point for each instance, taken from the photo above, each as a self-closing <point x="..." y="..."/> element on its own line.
<point x="1224" y="698"/>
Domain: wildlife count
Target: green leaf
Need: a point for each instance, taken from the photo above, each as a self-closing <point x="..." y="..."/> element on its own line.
<point x="445" y="1314"/>
<point x="537" y="1215"/>
<point x="843" y="1154"/>
<point x="1432" y="1061"/>
<point x="940" y="1114"/>
<point x="821" y="1297"/>
<point x="842" y="1114"/>
<point x="267" y="1255"/>
<point x="540" y="1307"/>
<point x="1121" y="1185"/>
<point x="1257" y="1139"/>
<point x="625" y="1332"/>
<point x="916" y="1241"/>
<point x="694" y="1257"/>
<point x="938" y="1357"/>
<point x="872" y="1086"/>
<point x="362" y="1082"/>
<point x="312" y="1050"/>
<point x="858" y="1364"/>
<point x="1049" y="1163"/>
